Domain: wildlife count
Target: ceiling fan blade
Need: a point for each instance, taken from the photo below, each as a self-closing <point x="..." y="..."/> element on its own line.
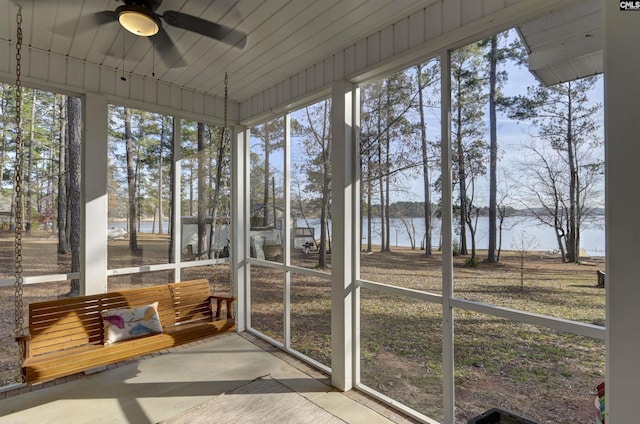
<point x="207" y="28"/>
<point x="74" y="26"/>
<point x="167" y="50"/>
<point x="104" y="17"/>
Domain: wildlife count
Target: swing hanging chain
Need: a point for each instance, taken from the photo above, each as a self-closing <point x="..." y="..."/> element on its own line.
<point x="19" y="305"/>
<point x="225" y="144"/>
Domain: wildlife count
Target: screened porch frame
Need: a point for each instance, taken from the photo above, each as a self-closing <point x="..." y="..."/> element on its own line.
<point x="621" y="65"/>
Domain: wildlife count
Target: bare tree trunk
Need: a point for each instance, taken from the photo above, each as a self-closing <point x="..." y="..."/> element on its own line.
<point x="161" y="176"/>
<point x="190" y="188"/>
<point x="131" y="184"/>
<point x="3" y="148"/>
<point x="75" y="146"/>
<point x="3" y="133"/>
<point x="12" y="218"/>
<point x="561" y="245"/>
<point x="472" y="233"/>
<point x="172" y="201"/>
<point x="573" y="254"/>
<point x="153" y="221"/>
<point x="266" y="220"/>
<point x="12" y="212"/>
<point x="425" y="167"/>
<point x="52" y="160"/>
<point x="369" y="209"/>
<point x="323" y="140"/>
<point x="383" y="232"/>
<point x="67" y="230"/>
<point x="326" y="193"/>
<point x="273" y="200"/>
<point x="579" y="209"/>
<point x="383" y="212"/>
<point x="560" y="232"/>
<point x="411" y="231"/>
<point x="202" y="199"/>
<point x="63" y="248"/>
<point x="463" y="202"/>
<point x="501" y="216"/>
<point x="471" y="217"/>
<point x="28" y="172"/>
<point x="220" y="161"/>
<point x="493" y="151"/>
<point x="462" y="179"/>
<point x="387" y="197"/>
<point x="138" y="188"/>
<point x="387" y="168"/>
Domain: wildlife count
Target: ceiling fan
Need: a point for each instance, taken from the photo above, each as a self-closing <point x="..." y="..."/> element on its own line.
<point x="140" y="18"/>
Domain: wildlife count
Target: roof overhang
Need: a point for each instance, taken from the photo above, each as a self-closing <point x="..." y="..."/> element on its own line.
<point x="565" y="45"/>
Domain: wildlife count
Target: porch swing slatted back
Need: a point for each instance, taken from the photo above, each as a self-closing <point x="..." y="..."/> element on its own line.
<point x="70" y="322"/>
<point x="66" y="335"/>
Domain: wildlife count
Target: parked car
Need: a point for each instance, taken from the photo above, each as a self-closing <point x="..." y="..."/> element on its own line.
<point x="115" y="233"/>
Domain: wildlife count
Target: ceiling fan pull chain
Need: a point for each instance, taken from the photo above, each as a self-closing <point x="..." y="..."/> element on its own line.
<point x="226" y="98"/>
<point x="123" y="78"/>
<point x="153" y="58"/>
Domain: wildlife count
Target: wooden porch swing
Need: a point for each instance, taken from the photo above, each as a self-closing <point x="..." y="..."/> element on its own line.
<point x="76" y="334"/>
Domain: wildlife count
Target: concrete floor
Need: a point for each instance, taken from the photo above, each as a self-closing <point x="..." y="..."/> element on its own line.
<point x="164" y="386"/>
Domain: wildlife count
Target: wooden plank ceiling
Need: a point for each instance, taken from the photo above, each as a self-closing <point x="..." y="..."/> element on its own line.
<point x="283" y="37"/>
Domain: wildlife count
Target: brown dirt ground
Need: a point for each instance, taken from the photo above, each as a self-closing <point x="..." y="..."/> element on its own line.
<point x="546" y="376"/>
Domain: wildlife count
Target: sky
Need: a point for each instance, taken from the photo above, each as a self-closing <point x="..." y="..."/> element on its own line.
<point x="511" y="136"/>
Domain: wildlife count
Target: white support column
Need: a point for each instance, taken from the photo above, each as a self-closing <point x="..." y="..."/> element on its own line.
<point x="355" y="225"/>
<point x="342" y="283"/>
<point x="239" y="222"/>
<point x="177" y="201"/>
<point x="93" y="255"/>
<point x="288" y="241"/>
<point x="622" y="154"/>
<point x="447" y="237"/>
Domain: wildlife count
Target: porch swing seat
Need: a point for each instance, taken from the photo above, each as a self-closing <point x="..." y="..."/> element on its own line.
<point x="67" y="336"/>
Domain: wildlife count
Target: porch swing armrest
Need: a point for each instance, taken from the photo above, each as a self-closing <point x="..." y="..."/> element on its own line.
<point x="24" y="340"/>
<point x="219" y="300"/>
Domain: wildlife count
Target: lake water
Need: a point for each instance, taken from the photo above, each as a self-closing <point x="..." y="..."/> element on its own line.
<point x="542" y="236"/>
<point x="514" y="228"/>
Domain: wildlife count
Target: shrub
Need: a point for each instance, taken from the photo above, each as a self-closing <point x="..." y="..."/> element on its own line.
<point x="471" y="261"/>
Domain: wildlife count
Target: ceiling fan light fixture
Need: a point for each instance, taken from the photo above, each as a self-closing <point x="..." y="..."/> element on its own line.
<point x="138" y="21"/>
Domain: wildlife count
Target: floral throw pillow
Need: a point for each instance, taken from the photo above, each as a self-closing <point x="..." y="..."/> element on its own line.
<point x="124" y="324"/>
